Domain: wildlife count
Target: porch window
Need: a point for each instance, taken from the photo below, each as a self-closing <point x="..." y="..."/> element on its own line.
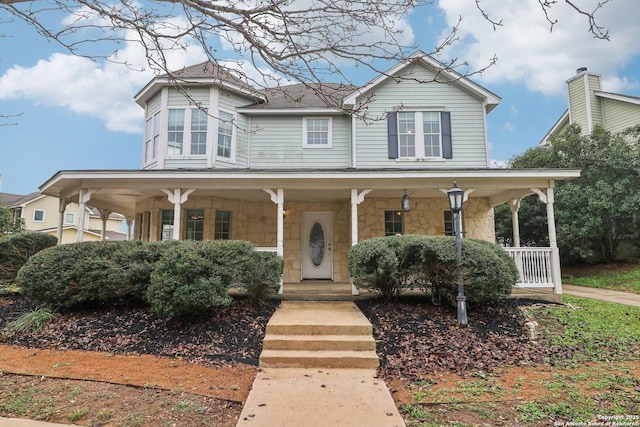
<point x="194" y="227"/>
<point x="166" y="224"/>
<point x="225" y="134"/>
<point x="175" y="132"/>
<point x="393" y="223"/>
<point x="316" y="132"/>
<point x="223" y="225"/>
<point x="449" y="229"/>
<point x="199" y="120"/>
<point x="38" y="215"/>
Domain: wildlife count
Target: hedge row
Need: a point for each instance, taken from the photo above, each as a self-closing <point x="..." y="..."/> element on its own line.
<point x="175" y="277"/>
<point x="16" y="249"/>
<point x="387" y="265"/>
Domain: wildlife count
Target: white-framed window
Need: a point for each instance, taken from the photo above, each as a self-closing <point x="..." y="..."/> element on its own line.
<point x="199" y="120"/>
<point x="226" y="141"/>
<point x="175" y="132"/>
<point x="419" y="134"/>
<point x="38" y="215"/>
<point x="69" y="218"/>
<point x="195" y="133"/>
<point x="151" y="137"/>
<point x="317" y="132"/>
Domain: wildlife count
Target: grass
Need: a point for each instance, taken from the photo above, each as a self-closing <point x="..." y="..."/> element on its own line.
<point x="628" y="281"/>
<point x="604" y="335"/>
<point x="597" y="330"/>
<point x="32" y="321"/>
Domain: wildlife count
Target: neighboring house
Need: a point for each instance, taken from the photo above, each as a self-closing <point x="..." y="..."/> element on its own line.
<point x="281" y="169"/>
<point x="41" y="213"/>
<point x="589" y="106"/>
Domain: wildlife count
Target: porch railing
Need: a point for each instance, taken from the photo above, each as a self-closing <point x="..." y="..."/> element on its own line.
<point x="534" y="265"/>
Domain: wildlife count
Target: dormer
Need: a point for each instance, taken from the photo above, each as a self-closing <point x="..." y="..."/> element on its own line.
<point x="191" y="119"/>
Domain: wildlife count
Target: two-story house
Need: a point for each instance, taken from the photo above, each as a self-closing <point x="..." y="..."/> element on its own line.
<point x="590" y="106"/>
<point x="281" y="169"/>
<point x="41" y="213"/>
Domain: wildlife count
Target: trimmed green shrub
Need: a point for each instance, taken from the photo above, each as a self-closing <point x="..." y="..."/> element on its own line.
<point x="16" y="249"/>
<point x="260" y="275"/>
<point x="77" y="273"/>
<point x="387" y="265"/>
<point x="194" y="276"/>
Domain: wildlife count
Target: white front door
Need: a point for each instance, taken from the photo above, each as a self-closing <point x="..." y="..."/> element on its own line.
<point x="317" y="245"/>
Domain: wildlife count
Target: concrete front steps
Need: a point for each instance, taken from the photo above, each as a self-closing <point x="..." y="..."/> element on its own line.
<point x="317" y="334"/>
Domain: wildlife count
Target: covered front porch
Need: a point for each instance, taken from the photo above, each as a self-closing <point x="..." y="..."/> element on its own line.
<point x="312" y="218"/>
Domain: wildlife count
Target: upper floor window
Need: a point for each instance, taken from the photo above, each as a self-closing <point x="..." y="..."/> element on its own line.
<point x="225" y="134"/>
<point x="393" y="223"/>
<point x="175" y="132"/>
<point x="419" y="135"/>
<point x="38" y="215"/>
<point x="316" y="132"/>
<point x="178" y="133"/>
<point x="199" y="132"/>
<point x="151" y="137"/>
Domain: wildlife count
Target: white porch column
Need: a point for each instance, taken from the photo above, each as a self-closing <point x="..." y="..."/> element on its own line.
<point x="356" y="199"/>
<point x="548" y="198"/>
<point x="62" y="206"/>
<point x="104" y="216"/>
<point x="177" y="196"/>
<point x="514" y="205"/>
<point x="277" y="197"/>
<point x="83" y="198"/>
<point x="129" y="219"/>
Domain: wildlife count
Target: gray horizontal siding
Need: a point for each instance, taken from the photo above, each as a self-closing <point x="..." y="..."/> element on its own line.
<point x="229" y="102"/>
<point x="276" y="142"/>
<point x="198" y="94"/>
<point x="185" y="163"/>
<point x="467" y="122"/>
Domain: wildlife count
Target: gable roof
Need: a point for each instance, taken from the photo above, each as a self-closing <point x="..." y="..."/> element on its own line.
<point x="204" y="73"/>
<point x="8" y="200"/>
<point x="444" y="74"/>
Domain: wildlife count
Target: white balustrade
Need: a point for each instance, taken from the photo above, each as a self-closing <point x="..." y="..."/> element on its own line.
<point x="534" y="266"/>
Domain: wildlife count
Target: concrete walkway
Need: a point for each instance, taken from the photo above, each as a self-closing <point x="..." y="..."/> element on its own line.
<point x="625" y="298"/>
<point x="319" y="397"/>
<point x="19" y="422"/>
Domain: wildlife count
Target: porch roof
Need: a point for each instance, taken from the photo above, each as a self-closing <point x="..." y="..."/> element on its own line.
<point x="120" y="190"/>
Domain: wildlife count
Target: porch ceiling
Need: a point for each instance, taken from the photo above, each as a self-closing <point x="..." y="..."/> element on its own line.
<point x="120" y="190"/>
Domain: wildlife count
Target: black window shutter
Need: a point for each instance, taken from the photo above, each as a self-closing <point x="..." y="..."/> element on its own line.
<point x="447" y="146"/>
<point x="392" y="134"/>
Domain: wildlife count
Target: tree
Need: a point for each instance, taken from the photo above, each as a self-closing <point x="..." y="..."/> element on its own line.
<point x="595" y="212"/>
<point x="305" y="41"/>
<point x="8" y="225"/>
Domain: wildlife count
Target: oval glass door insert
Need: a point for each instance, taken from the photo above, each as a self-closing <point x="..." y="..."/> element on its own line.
<point x="316" y="243"/>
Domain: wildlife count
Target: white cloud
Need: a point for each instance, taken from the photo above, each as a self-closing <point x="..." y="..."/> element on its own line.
<point x="508" y="127"/>
<point x="529" y="53"/>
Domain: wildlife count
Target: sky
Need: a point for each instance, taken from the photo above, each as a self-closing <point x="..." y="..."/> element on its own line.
<point x="72" y="113"/>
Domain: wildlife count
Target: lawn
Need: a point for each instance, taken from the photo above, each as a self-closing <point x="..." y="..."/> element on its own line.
<point x="619" y="276"/>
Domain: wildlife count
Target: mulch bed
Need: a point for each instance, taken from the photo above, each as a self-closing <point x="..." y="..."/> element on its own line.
<point x="414" y="337"/>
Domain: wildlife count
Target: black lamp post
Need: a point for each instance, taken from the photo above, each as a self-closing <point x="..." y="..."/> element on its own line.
<point x="456" y="199"/>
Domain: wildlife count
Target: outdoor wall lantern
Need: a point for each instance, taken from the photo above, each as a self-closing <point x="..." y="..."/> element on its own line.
<point x="406" y="206"/>
<point x="456" y="198"/>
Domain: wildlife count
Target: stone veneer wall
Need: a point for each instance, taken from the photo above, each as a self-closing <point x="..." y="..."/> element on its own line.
<point x="256" y="222"/>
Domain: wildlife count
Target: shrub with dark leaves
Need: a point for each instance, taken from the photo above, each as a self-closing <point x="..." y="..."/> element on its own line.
<point x="387" y="265"/>
<point x="16" y="249"/>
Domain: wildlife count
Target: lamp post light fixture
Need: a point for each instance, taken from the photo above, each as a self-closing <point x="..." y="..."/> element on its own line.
<point x="456" y="199"/>
<point x="406" y="206"/>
